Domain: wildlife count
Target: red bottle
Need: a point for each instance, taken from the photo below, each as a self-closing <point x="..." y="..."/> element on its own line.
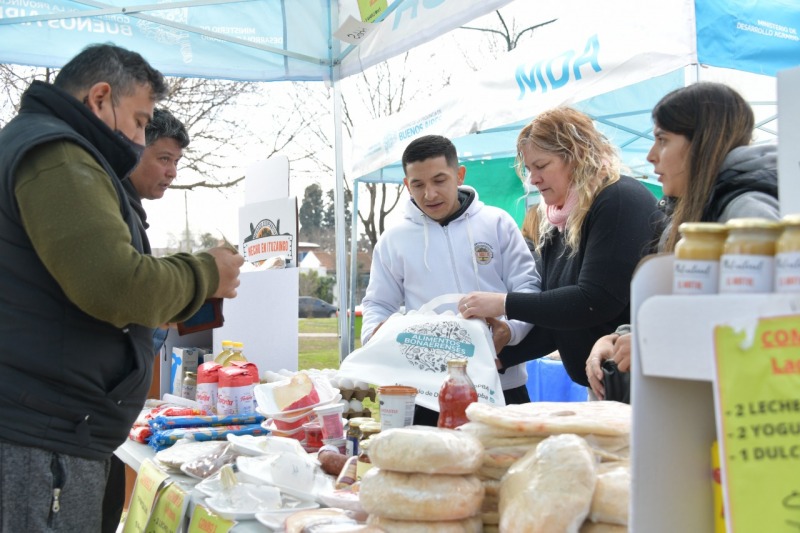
<point x="456" y="394"/>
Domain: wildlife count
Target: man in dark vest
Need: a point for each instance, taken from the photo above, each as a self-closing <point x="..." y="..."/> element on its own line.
<point x="79" y="298"/>
<point x="166" y="138"/>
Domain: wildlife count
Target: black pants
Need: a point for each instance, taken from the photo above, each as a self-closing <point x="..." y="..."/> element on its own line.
<point x="427" y="417"/>
<point x="114" y="499"/>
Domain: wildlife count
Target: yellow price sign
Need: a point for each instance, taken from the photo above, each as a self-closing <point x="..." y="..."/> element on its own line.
<point x="757" y="391"/>
<point x="149" y="480"/>
<point x="371" y="9"/>
<point x="204" y="521"/>
<point x="170" y="508"/>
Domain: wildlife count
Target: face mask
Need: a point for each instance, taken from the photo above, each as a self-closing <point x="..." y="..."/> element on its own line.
<point x="137" y="148"/>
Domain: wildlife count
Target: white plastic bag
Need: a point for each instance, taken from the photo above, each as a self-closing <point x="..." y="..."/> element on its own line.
<point x="413" y="349"/>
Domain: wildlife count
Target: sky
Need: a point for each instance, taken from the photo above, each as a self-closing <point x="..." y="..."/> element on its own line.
<point x="216" y="211"/>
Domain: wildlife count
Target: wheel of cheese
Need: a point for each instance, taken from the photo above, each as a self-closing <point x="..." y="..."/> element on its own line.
<point x="426" y="497"/>
<point x="426" y="450"/>
<point x="468" y="525"/>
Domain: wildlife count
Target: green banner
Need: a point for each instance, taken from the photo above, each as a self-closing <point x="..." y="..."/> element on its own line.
<point x="758" y="411"/>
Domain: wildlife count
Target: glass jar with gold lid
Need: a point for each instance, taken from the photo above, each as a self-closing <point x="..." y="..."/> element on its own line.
<point x="697" y="254"/>
<point x="787" y="255"/>
<point x="747" y="264"/>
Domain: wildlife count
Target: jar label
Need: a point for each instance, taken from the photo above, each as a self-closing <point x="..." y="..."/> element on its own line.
<point x="695" y="277"/>
<point x="787" y="272"/>
<point x="743" y="273"/>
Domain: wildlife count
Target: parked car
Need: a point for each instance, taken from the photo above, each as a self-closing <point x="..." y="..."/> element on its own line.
<point x="310" y="307"/>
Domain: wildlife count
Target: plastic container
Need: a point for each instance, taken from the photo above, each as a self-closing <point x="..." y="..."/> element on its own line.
<point x="787" y="256"/>
<point x="227" y="350"/>
<point x="456" y="394"/>
<point x="330" y="419"/>
<point x="396" y="406"/>
<point x="339" y="444"/>
<point x="189" y="389"/>
<point x="313" y="433"/>
<point x="747" y="264"/>
<point x="697" y="255"/>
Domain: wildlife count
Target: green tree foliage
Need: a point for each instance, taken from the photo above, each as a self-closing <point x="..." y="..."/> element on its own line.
<point x="311" y="209"/>
<point x="312" y="284"/>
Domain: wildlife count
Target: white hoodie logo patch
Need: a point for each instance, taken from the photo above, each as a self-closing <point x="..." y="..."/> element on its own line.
<point x="483" y="253"/>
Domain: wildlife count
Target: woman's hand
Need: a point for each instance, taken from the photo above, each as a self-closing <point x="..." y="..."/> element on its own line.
<point x="501" y="333"/>
<point x="622" y="353"/>
<point x="483" y="305"/>
<point x="603" y="349"/>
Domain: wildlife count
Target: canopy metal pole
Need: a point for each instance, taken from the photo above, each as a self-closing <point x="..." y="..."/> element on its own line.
<point x="341" y="228"/>
<point x="353" y="267"/>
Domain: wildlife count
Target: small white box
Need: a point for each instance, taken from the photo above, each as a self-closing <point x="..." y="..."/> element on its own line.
<point x="183" y="360"/>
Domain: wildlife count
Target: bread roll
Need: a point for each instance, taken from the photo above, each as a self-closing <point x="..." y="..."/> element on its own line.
<point x="427" y="450"/>
<point x="427" y="497"/>
<point x="612" y="494"/>
<point x="550" y="489"/>
<point x="468" y="525"/>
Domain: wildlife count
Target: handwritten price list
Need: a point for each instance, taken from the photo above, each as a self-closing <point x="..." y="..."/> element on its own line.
<point x="758" y="411"/>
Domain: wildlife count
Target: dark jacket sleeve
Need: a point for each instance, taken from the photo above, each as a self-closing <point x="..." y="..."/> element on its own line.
<point x="617" y="233"/>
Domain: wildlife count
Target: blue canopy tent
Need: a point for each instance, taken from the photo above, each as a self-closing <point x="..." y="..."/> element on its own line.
<point x="256" y="40"/>
<point x="613" y="60"/>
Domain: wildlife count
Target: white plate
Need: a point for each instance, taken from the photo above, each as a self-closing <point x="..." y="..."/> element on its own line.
<point x="257" y="498"/>
<point x="343" y="499"/>
<point x="298" y="476"/>
<point x="264" y="444"/>
<point x="211" y="486"/>
<point x="276" y="519"/>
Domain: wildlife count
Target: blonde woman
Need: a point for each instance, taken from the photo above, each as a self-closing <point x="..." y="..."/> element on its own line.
<point x="595" y="225"/>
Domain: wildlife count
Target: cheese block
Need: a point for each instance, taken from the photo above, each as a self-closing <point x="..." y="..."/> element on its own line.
<point x="298" y="392"/>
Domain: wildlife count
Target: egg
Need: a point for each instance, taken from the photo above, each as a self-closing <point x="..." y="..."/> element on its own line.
<point x="345" y="383"/>
<point x="356" y="405"/>
<point x="361" y="385"/>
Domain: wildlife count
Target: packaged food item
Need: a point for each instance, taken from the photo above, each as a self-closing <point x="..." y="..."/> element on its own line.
<point x="396" y="405"/>
<point x="369" y="429"/>
<point x="313" y="434"/>
<point x="349" y="473"/>
<point x="456" y="394"/>
<point x="330" y="419"/>
<point x="207" y="385"/>
<point x="747" y="264"/>
<point x="235" y="391"/>
<point x="787" y="256"/>
<point x="697" y="255"/>
<point x="189" y="390"/>
<point x="227" y="350"/>
<point x="363" y="464"/>
<point x="353" y="436"/>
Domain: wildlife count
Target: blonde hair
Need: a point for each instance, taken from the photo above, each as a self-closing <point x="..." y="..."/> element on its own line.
<point x="571" y="135"/>
<point x="530" y="225"/>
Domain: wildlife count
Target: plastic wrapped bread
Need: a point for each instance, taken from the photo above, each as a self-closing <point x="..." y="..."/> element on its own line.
<point x="426" y="450"/>
<point x="426" y="497"/>
<point x="549" y="490"/>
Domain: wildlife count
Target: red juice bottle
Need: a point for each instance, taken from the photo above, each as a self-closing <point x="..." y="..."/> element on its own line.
<point x="456" y="394"/>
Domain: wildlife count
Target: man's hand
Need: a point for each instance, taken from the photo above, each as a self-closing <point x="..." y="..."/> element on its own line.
<point x="228" y="264"/>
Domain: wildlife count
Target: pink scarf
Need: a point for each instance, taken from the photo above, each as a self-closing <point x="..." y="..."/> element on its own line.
<point x="558" y="215"/>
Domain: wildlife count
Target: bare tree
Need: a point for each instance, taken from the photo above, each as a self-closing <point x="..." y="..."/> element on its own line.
<point x="220" y="115"/>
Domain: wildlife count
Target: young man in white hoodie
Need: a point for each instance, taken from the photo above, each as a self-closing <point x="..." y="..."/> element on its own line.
<point x="448" y="242"/>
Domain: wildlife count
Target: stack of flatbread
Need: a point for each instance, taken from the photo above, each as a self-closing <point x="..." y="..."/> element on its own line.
<point x="553" y="466"/>
<point x="423" y="481"/>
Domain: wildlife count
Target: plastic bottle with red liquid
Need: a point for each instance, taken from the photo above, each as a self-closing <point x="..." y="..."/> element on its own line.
<point x="456" y="394"/>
